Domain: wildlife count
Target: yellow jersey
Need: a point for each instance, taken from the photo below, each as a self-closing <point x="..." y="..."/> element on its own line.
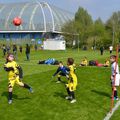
<point x="72" y="71"/>
<point x="71" y="86"/>
<point x="107" y="63"/>
<point x="73" y="76"/>
<point x="12" y="73"/>
<point x="84" y="62"/>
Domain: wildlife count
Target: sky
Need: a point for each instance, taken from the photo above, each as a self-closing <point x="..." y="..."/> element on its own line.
<point x="96" y="8"/>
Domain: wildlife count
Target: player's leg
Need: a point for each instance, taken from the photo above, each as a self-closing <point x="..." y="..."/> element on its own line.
<point x="10" y="95"/>
<point x="117" y="82"/>
<point x="24" y="85"/>
<point x="68" y="92"/>
<point x="10" y="89"/>
<point x="72" y="91"/>
<point x="59" y="78"/>
<point x="115" y="93"/>
<point x="28" y="56"/>
<point x="72" y="94"/>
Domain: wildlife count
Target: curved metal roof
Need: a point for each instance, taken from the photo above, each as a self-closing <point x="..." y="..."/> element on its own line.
<point x="36" y="16"/>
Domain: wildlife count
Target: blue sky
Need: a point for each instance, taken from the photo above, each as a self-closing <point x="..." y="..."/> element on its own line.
<point x="96" y="8"/>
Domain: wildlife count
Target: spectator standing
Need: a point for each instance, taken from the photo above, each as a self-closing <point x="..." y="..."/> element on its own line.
<point x="111" y="49"/>
<point x="27" y="52"/>
<point x="101" y="50"/>
<point x="35" y="47"/>
<point x="8" y="49"/>
<point x="4" y="50"/>
<point x="20" y="48"/>
<point x="15" y="50"/>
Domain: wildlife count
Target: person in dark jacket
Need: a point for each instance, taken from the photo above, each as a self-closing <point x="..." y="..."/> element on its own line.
<point x="27" y="52"/>
<point x="61" y="71"/>
<point x="4" y="50"/>
<point x="36" y="47"/>
<point x="101" y="50"/>
<point x="15" y="50"/>
<point x="20" y="48"/>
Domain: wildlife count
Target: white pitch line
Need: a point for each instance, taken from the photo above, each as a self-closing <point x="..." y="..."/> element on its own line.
<point x="109" y="115"/>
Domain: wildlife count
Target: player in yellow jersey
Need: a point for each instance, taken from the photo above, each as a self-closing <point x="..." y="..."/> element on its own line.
<point x="107" y="63"/>
<point x="14" y="75"/>
<point x="72" y="82"/>
<point x="84" y="62"/>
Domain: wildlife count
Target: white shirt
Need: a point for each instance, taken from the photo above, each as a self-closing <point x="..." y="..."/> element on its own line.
<point x="111" y="48"/>
<point x="113" y="68"/>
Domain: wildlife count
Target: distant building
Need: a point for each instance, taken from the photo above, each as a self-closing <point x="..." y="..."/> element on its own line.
<point x="39" y="19"/>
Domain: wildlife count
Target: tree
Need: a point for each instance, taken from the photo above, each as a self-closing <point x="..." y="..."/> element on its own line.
<point x="83" y="24"/>
<point x="69" y="31"/>
<point x="113" y="27"/>
<point x="93" y="33"/>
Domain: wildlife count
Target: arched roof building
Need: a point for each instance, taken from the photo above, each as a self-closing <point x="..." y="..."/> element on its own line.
<point x="36" y="16"/>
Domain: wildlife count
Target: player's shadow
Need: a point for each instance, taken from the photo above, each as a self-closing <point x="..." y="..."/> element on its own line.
<point x="59" y="94"/>
<point x="101" y="93"/>
<point x="5" y="94"/>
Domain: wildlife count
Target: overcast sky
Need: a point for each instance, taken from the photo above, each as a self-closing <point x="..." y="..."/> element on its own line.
<point x="96" y="8"/>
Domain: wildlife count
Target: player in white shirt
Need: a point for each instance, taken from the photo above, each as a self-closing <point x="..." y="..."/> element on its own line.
<point x="111" y="49"/>
<point x="115" y="76"/>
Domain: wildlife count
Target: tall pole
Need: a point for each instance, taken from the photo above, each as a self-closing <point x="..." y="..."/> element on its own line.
<point x="113" y="34"/>
<point x="78" y="43"/>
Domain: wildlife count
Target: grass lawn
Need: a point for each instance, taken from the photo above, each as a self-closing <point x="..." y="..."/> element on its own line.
<point x="48" y="100"/>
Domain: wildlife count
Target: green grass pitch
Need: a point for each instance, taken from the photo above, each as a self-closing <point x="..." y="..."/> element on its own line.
<point x="48" y="100"/>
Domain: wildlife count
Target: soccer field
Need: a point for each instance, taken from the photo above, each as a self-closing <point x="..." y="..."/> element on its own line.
<point x="48" y="100"/>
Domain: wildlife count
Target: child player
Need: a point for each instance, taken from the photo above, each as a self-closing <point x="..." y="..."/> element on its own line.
<point x="14" y="72"/>
<point x="115" y="77"/>
<point x="72" y="82"/>
<point x="84" y="62"/>
<point x="62" y="70"/>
